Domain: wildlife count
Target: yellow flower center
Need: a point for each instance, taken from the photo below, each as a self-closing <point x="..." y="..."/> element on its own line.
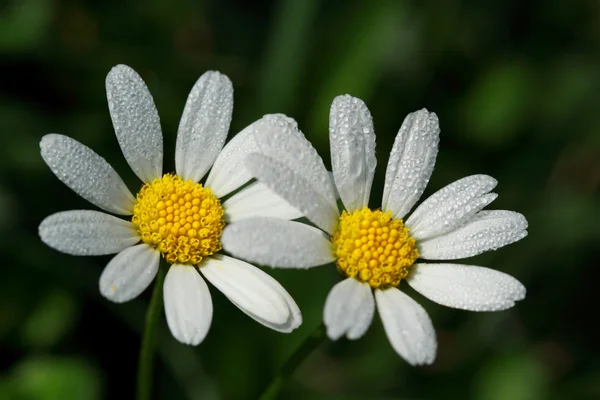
<point x="374" y="248"/>
<point x="182" y="219"/>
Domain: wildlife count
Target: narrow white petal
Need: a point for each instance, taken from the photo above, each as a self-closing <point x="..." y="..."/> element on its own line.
<point x="229" y="172"/>
<point x="136" y="122"/>
<point x="411" y="162"/>
<point x="204" y="125"/>
<point x="277" y="243"/>
<point x="253" y="291"/>
<point x="279" y="138"/>
<point x="257" y="200"/>
<point x="407" y="326"/>
<point x="487" y="230"/>
<point x="129" y="273"/>
<point x="86" y="173"/>
<point x="466" y="286"/>
<point x="188" y="305"/>
<point x="352" y="142"/>
<point x="452" y="206"/>
<point x="294" y="188"/>
<point x="87" y="233"/>
<point x="349" y="309"/>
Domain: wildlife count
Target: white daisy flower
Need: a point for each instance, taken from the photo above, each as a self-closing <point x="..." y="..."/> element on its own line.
<point x="173" y="215"/>
<point x="376" y="249"/>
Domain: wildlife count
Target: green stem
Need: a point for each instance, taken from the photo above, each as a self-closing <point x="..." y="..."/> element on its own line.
<point x="144" y="381"/>
<point x="309" y="344"/>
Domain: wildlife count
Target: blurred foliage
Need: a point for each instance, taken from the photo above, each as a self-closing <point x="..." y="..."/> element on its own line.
<point x="515" y="85"/>
<point x="51" y="379"/>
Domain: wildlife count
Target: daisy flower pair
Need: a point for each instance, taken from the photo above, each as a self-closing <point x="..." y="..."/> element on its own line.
<point x="173" y="216"/>
<point x="375" y="249"/>
<point x="177" y="218"/>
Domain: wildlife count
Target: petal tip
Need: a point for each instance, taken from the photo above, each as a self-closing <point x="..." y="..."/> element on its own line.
<point x="48" y="140"/>
<point x="119" y="69"/>
<point x="520" y="292"/>
<point x="345" y="98"/>
<point x="332" y="334"/>
<point x="217" y="77"/>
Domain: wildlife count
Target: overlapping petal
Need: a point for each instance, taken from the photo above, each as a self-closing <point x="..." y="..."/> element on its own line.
<point x="228" y="171"/>
<point x="257" y="200"/>
<point x="277" y="243"/>
<point x="295" y="189"/>
<point x="277" y="136"/>
<point x="289" y="165"/>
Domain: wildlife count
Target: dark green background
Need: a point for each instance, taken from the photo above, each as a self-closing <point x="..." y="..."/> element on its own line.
<point x="515" y="84"/>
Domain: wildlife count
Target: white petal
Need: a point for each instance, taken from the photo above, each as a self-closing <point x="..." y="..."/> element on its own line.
<point x="277" y="243"/>
<point x="411" y="162"/>
<point x="466" y="286"/>
<point x="136" y="122"/>
<point x="349" y="309"/>
<point x="87" y="233"/>
<point x="452" y="206"/>
<point x="352" y="142"/>
<point x="229" y="172"/>
<point x="487" y="230"/>
<point x="253" y="291"/>
<point x="278" y="136"/>
<point x="335" y="191"/>
<point x="188" y="305"/>
<point x="129" y="273"/>
<point x="279" y="139"/>
<point x="407" y="326"/>
<point x="86" y="173"/>
<point x="295" y="189"/>
<point x="204" y="125"/>
<point x="257" y="200"/>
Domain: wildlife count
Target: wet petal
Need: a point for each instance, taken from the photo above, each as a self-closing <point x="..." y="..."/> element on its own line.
<point x="466" y="287"/>
<point x="136" y="122"/>
<point x="87" y="233"/>
<point x="411" y="162"/>
<point x="352" y="141"/>
<point x="407" y="326"/>
<point x="86" y="173"/>
<point x="204" y="125"/>
<point x="487" y="230"/>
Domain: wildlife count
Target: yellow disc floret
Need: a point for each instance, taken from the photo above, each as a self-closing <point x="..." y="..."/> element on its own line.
<point x="182" y="219"/>
<point x="374" y="248"/>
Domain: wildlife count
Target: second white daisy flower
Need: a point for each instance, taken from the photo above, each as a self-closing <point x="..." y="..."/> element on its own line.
<point x="377" y="249"/>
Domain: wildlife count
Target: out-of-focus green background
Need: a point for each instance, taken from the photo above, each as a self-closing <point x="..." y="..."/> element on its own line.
<point x="516" y="86"/>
